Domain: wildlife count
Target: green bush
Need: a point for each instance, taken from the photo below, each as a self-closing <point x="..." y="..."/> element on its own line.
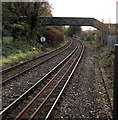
<point x="19" y="30"/>
<point x="7" y="39"/>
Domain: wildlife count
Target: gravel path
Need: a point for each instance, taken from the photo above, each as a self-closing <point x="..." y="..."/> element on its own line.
<point x="80" y="98"/>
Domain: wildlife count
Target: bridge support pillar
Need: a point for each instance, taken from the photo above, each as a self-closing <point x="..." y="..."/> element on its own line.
<point x="103" y="38"/>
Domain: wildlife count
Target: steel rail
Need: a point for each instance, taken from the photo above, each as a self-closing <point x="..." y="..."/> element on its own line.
<point x="18" y="100"/>
<point x="38" y="95"/>
<point x="61" y="92"/>
<point x="42" y="90"/>
<point x="41" y="106"/>
<point x="20" y="73"/>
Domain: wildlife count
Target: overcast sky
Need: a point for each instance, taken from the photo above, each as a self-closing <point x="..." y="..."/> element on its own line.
<point x="99" y="9"/>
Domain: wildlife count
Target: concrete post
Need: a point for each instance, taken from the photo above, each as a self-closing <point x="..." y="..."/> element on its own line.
<point x="115" y="101"/>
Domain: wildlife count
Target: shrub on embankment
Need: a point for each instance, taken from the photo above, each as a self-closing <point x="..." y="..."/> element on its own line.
<point x="54" y="37"/>
<point x="14" y="51"/>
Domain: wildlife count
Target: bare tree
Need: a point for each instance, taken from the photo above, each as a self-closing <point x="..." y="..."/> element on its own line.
<point x="33" y="10"/>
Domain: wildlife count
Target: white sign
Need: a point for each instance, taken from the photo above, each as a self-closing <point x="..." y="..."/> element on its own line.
<point x="42" y="39"/>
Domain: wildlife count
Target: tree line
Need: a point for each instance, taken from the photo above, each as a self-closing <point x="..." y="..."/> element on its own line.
<point x="22" y="17"/>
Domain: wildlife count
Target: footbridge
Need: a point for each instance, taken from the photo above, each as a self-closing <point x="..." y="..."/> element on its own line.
<point x="75" y="21"/>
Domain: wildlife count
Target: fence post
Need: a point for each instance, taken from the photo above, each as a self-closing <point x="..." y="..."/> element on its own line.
<point x="115" y="101"/>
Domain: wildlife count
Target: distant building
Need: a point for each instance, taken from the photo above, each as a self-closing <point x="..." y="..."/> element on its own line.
<point x="112" y="28"/>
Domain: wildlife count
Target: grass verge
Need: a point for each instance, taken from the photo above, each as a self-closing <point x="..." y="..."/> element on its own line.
<point x="15" y="52"/>
<point x="104" y="60"/>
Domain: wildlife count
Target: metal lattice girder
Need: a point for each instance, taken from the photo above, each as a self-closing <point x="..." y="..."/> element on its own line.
<point x="73" y="21"/>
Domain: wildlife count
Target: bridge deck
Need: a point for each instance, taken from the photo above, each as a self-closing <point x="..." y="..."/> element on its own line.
<point x="73" y="21"/>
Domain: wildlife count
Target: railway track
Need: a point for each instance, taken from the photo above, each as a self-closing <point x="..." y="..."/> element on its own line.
<point x="42" y="97"/>
<point x="19" y="69"/>
<point x="17" y="86"/>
